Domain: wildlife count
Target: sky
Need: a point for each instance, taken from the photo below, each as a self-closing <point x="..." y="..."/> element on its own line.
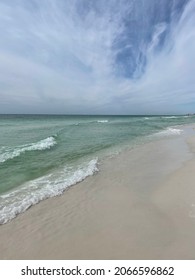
<point x="97" y="57"/>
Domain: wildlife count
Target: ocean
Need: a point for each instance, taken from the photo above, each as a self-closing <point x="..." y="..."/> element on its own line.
<point x="41" y="156"/>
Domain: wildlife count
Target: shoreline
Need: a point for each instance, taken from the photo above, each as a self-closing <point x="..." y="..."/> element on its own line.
<point x="139" y="206"/>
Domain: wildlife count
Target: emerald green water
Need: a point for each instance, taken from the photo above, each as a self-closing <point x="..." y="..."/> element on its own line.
<point x="40" y="156"/>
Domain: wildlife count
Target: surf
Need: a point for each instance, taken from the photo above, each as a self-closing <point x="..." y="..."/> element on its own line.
<point x="7" y="153"/>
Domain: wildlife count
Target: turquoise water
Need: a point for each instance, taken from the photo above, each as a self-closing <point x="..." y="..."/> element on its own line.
<point x="40" y="156"/>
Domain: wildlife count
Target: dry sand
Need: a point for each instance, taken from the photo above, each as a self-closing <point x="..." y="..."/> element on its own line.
<point x="141" y="205"/>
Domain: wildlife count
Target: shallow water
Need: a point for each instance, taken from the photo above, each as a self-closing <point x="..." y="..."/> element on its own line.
<point x="41" y="156"/>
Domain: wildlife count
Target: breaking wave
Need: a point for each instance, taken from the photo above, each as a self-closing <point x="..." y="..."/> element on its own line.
<point x="102" y="121"/>
<point x="33" y="192"/>
<point x="7" y="153"/>
<point x="169" y="131"/>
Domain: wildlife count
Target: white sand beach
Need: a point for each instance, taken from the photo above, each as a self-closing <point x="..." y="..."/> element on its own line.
<point x="141" y="205"/>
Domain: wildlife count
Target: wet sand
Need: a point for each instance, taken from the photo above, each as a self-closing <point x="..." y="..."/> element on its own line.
<point x="141" y="205"/>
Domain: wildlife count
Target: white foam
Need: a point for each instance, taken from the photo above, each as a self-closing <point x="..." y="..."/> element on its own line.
<point x="102" y="121"/>
<point x="170" y="117"/>
<point x="169" y="131"/>
<point x="10" y="153"/>
<point x="33" y="192"/>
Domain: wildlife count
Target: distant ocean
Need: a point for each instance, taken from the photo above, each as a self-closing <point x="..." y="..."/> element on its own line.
<point x="42" y="155"/>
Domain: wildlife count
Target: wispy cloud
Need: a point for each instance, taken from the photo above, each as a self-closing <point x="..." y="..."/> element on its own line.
<point x="96" y="56"/>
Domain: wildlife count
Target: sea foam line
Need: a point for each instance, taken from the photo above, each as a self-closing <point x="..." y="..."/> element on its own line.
<point x="102" y="121"/>
<point x="170" y="117"/>
<point x="169" y="131"/>
<point x="10" y="153"/>
<point x="33" y="192"/>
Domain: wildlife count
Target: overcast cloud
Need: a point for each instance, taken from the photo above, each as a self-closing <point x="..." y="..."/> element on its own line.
<point x="97" y="57"/>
